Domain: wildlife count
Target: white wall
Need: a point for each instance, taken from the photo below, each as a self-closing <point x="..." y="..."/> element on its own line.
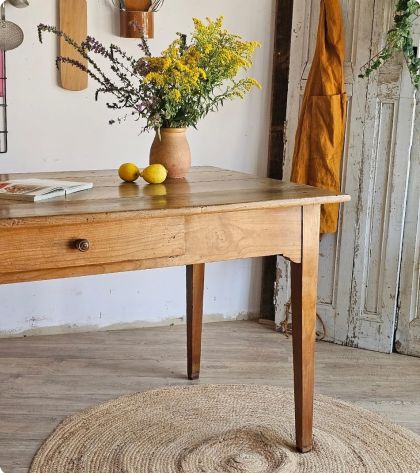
<point x="51" y="129"/>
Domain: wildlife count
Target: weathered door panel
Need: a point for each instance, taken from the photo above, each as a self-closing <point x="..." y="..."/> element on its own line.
<point x="359" y="265"/>
<point x="408" y="332"/>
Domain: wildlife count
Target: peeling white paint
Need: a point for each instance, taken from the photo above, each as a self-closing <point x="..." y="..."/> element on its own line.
<point x="360" y="266"/>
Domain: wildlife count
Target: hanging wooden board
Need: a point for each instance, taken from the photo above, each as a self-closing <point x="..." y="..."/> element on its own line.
<point x="73" y="22"/>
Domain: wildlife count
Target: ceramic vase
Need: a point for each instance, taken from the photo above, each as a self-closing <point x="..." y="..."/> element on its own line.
<point x="171" y="149"/>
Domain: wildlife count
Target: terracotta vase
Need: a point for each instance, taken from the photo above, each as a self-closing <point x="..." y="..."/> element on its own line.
<point x="172" y="150"/>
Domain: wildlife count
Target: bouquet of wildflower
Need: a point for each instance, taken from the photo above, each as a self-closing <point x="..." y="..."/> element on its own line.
<point x="191" y="78"/>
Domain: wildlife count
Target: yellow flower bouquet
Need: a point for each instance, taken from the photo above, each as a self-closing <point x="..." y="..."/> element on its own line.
<point x="173" y="91"/>
<point x="178" y="88"/>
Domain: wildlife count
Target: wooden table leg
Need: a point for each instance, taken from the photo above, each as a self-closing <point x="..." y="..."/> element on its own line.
<point x="195" y="291"/>
<point x="304" y="298"/>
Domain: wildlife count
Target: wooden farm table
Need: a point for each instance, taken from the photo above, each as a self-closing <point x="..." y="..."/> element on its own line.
<point x="214" y="215"/>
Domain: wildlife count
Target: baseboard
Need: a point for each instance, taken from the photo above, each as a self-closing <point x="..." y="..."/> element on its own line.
<point x="67" y="328"/>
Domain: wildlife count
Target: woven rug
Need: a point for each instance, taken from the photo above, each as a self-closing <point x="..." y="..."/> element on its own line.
<point x="224" y="429"/>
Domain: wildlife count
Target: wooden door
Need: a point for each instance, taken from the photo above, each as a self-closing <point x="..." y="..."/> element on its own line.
<point x="359" y="266"/>
<point x="408" y="329"/>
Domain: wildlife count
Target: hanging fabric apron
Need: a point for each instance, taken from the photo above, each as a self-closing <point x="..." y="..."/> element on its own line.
<point x="320" y="134"/>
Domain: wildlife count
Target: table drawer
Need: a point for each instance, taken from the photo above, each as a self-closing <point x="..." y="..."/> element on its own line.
<point x="55" y="246"/>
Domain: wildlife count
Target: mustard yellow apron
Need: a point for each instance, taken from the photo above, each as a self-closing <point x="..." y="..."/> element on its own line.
<point x="321" y="130"/>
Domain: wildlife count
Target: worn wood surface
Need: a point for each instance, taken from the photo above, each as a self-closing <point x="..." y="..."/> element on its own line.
<point x="195" y="292"/>
<point x="304" y="295"/>
<point x="73" y="22"/>
<point x="43" y="379"/>
<point x="215" y="215"/>
<point x="206" y="189"/>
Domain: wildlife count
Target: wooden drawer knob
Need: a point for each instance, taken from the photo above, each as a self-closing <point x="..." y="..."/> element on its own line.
<point x="82" y="245"/>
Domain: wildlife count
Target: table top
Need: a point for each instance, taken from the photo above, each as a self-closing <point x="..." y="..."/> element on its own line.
<point x="207" y="189"/>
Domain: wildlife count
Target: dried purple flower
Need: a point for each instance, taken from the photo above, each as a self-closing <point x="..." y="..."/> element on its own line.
<point x="93" y="45"/>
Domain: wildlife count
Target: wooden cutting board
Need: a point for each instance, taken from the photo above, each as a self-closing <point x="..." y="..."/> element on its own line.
<point x="73" y="21"/>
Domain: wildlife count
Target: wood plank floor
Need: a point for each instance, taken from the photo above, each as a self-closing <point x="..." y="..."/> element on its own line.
<point x="43" y="379"/>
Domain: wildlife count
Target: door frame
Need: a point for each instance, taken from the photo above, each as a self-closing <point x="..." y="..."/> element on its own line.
<point x="279" y="93"/>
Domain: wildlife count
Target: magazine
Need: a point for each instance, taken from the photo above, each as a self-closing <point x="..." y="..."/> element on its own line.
<point x="35" y="190"/>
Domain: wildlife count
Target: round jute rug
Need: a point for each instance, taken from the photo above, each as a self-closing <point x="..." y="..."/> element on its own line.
<point x="223" y="429"/>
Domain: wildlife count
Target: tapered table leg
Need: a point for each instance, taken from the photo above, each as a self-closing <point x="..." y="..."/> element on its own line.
<point x="195" y="291"/>
<point x="304" y="298"/>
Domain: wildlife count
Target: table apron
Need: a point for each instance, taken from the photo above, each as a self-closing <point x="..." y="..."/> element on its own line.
<point x="47" y="251"/>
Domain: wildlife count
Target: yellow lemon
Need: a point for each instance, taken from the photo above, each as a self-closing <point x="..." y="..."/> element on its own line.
<point x="154" y="174"/>
<point x="129" y="172"/>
